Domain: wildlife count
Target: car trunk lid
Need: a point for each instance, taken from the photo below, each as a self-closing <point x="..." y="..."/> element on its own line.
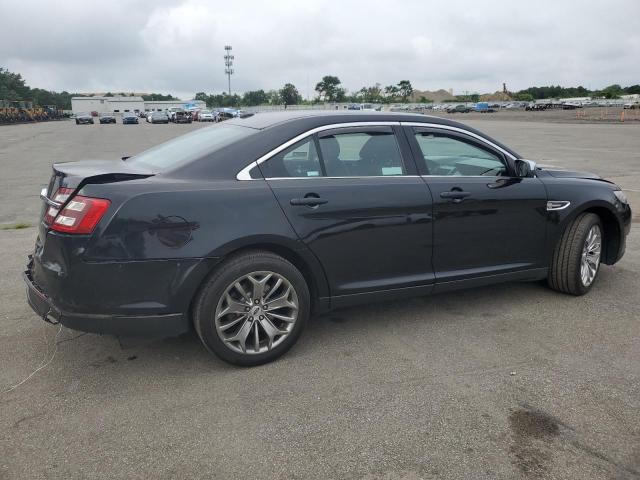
<point x="69" y="177"/>
<point x="74" y="175"/>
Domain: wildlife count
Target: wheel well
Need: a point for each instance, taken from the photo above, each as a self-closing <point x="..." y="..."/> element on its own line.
<point x="290" y="255"/>
<point x="611" y="233"/>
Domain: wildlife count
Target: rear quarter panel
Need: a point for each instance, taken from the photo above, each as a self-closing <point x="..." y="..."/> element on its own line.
<point x="181" y="219"/>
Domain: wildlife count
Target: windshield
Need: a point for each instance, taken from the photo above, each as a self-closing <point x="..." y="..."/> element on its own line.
<point x="190" y="146"/>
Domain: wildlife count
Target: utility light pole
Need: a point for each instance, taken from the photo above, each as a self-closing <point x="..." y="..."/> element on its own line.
<point x="228" y="63"/>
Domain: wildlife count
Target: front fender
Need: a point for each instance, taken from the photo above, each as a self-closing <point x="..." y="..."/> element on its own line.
<point x="616" y="219"/>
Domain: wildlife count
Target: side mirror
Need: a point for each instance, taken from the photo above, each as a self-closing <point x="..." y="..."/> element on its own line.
<point x="525" y="168"/>
<point x="124" y="159"/>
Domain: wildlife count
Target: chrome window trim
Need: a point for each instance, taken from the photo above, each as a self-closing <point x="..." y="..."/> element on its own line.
<point x="245" y="174"/>
<point x="488" y="177"/>
<point x="337" y="178"/>
<point x="460" y="130"/>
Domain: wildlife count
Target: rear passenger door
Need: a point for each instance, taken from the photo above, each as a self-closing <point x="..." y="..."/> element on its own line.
<point x="354" y="197"/>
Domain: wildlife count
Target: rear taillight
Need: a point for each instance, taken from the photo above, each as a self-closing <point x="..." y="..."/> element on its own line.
<point x="80" y="215"/>
<point x="61" y="196"/>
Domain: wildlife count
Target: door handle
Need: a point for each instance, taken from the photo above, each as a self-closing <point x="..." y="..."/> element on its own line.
<point x="308" y="201"/>
<point x="455" y="194"/>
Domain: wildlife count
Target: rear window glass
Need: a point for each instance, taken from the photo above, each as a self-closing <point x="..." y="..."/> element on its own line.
<point x="189" y="147"/>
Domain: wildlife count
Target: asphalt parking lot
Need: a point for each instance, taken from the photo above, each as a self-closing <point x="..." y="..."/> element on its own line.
<point x="509" y="381"/>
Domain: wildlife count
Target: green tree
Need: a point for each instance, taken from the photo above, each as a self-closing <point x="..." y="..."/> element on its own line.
<point x="273" y="97"/>
<point x="290" y="95"/>
<point x="158" y="97"/>
<point x="108" y="94"/>
<point x="254" y="97"/>
<point x="329" y="89"/>
<point x="612" y="91"/>
<point x="391" y="93"/>
<point x="372" y="94"/>
<point x="405" y="89"/>
<point x="12" y="86"/>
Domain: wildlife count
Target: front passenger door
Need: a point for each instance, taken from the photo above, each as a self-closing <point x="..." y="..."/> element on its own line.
<point x="486" y="220"/>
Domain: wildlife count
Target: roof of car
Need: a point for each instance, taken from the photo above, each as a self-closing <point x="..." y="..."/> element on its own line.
<point x="303" y="120"/>
<point x="264" y="120"/>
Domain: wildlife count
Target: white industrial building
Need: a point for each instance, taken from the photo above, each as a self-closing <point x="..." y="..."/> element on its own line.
<point x="127" y="104"/>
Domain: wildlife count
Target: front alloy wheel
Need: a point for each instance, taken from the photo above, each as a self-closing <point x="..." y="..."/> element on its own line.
<point x="577" y="255"/>
<point x="256" y="313"/>
<point x="590" y="260"/>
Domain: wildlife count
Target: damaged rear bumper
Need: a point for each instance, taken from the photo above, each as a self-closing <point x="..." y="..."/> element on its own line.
<point x="165" y="325"/>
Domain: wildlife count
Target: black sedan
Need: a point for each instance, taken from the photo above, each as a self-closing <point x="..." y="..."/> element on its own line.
<point x="129" y="119"/>
<point x="243" y="230"/>
<point x="84" y="118"/>
<point x="107" y="118"/>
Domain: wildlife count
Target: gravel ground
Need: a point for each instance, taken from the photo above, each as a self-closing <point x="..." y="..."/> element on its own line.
<point x="509" y="381"/>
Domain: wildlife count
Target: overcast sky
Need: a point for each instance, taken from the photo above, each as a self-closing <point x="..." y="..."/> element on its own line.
<point x="177" y="46"/>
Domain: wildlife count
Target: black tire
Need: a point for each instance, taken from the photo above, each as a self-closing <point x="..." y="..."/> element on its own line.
<point x="77" y="122"/>
<point x="206" y="302"/>
<point x="564" y="273"/>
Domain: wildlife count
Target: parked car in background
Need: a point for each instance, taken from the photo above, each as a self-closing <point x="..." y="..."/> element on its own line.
<point x="206" y="116"/>
<point x="171" y="112"/>
<point x="371" y="107"/>
<point x="129" y="118"/>
<point x="158" y="117"/>
<point x="107" y="118"/>
<point x="438" y="206"/>
<point x="458" y="109"/>
<point x="94" y="113"/>
<point x="534" y="107"/>
<point x="181" y="116"/>
<point x="631" y="105"/>
<point x="83" y="118"/>
<point x="226" y="114"/>
<point x="483" y="107"/>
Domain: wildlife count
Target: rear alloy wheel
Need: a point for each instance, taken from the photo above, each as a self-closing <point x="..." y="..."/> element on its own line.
<point x="256" y="313"/>
<point x="576" y="258"/>
<point x="252" y="309"/>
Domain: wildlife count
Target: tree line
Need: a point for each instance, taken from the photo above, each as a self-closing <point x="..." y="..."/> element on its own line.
<point x="14" y="88"/>
<point x="328" y="89"/>
<point x="611" y="92"/>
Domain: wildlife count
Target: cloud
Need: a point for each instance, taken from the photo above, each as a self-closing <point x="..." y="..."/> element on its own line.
<point x="177" y="46"/>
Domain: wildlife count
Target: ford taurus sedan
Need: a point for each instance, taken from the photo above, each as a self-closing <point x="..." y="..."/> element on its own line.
<point x="244" y="229"/>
